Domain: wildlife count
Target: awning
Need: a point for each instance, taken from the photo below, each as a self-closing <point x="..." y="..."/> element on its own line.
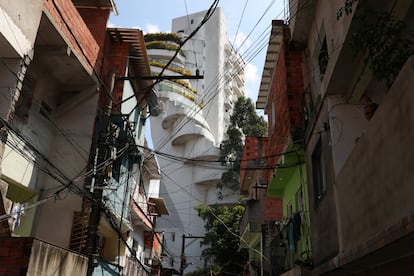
<point x="160" y="205"/>
<point x="288" y="171"/>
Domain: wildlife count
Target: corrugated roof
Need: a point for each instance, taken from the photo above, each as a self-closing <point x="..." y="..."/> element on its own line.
<point x="160" y="205"/>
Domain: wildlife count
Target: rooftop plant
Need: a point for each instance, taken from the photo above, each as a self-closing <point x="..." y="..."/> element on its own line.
<point x="181" y="71"/>
<point x="163" y="37"/>
<point x="163" y="45"/>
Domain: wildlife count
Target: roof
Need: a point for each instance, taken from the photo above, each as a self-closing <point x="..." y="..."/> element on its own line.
<point x="138" y="59"/>
<point x="160" y="205"/>
<point x="272" y="56"/>
<point x="102" y="4"/>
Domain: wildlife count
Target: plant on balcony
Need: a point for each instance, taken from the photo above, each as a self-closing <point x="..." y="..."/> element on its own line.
<point x="186" y="85"/>
<point x="181" y="71"/>
<point x="163" y="37"/>
<point x="186" y="95"/>
<point x="384" y="42"/>
<point x="164" y="46"/>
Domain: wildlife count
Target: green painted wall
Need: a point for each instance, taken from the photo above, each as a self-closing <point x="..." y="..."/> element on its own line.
<point x="293" y="187"/>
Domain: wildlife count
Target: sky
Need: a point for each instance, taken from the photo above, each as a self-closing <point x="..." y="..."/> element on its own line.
<point x="248" y="25"/>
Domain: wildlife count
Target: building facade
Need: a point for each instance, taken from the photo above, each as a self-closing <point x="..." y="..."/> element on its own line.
<point x="279" y="172"/>
<point x="258" y="225"/>
<point x="358" y="125"/>
<point x="50" y="68"/>
<point x="72" y="139"/>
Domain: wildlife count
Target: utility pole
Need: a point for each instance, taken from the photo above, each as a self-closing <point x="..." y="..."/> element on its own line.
<point x="101" y="147"/>
<point x="183" y="264"/>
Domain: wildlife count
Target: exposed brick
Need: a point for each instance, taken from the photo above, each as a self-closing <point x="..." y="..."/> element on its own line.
<point x="71" y="24"/>
<point x="16" y="251"/>
<point x="4" y="252"/>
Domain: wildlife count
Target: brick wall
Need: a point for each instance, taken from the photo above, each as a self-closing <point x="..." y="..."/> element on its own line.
<point x="70" y="23"/>
<point x="294" y="87"/>
<point x="115" y="61"/>
<point x="96" y="20"/>
<point x="15" y="256"/>
<point x="272" y="208"/>
<point x="279" y="131"/>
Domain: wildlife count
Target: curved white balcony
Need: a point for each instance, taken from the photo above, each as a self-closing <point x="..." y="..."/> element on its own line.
<point x="165" y="54"/>
<point x="203" y="149"/>
<point x="156" y="70"/>
<point x="188" y="132"/>
<point x="178" y="106"/>
<point x="203" y="176"/>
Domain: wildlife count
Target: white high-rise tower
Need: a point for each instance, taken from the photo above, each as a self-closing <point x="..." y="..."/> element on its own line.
<point x="192" y="125"/>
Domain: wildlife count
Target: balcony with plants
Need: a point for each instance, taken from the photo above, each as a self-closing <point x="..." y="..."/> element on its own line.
<point x="164" y="46"/>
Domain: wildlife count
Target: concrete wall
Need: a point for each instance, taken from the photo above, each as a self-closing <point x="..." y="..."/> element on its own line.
<point x="346" y="124"/>
<point x="46" y="259"/>
<point x="374" y="185"/>
<point x="324" y="229"/>
<point x="19" y="23"/>
<point x="71" y="157"/>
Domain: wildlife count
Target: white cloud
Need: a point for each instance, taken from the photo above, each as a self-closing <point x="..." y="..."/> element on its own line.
<point x="151" y="28"/>
<point x="109" y="24"/>
<point x="252" y="81"/>
<point x="241" y="42"/>
<point x="251" y="73"/>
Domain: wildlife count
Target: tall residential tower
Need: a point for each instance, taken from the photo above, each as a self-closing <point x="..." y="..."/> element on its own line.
<point x="193" y="122"/>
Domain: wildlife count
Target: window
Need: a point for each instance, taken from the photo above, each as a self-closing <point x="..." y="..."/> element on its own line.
<point x="318" y="172"/>
<point x="320" y="59"/>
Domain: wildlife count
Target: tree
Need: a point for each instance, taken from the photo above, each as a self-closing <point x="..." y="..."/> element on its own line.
<point x="222" y="224"/>
<point x="384" y="42"/>
<point x="243" y="122"/>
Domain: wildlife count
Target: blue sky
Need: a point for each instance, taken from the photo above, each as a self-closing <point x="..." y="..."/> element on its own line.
<point x="253" y="28"/>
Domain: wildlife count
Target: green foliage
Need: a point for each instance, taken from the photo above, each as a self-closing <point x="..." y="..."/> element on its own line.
<point x="181" y="71"/>
<point x="222" y="226"/>
<point x="246" y="118"/>
<point x="208" y="271"/>
<point x="384" y="42"/>
<point x="244" y="121"/>
<point x="163" y="45"/>
<point x="347" y="8"/>
<point x="186" y="85"/>
<point x="231" y="153"/>
<point x="163" y="37"/>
